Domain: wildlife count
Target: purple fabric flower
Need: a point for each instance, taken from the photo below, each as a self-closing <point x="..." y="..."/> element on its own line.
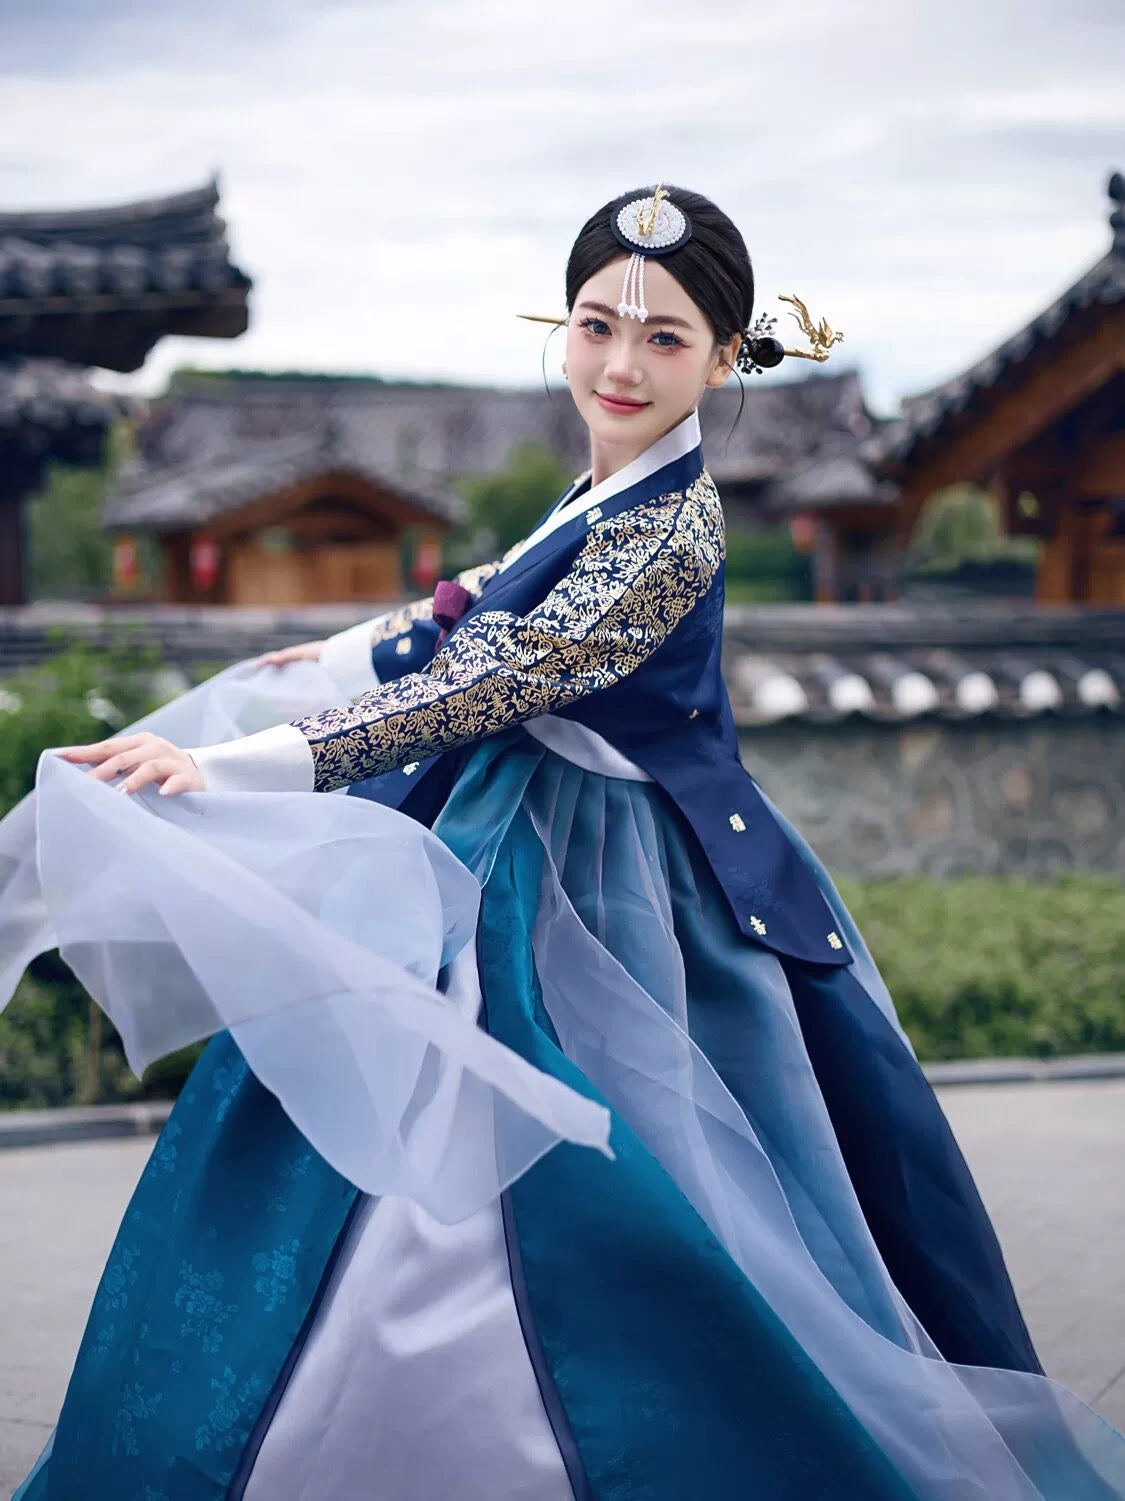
<point x="450" y="603"/>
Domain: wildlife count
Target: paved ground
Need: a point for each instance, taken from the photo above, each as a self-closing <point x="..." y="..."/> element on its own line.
<point x="1049" y="1159"/>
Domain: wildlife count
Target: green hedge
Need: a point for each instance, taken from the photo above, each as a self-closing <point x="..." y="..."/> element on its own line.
<point x="978" y="968"/>
<point x="987" y="968"/>
<point x="55" y="1047"/>
<point x="763" y="567"/>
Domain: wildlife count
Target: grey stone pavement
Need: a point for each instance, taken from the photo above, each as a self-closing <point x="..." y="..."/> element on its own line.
<point x="1048" y="1158"/>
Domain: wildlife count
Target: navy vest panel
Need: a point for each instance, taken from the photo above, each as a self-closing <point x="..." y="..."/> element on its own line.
<point x="672" y="718"/>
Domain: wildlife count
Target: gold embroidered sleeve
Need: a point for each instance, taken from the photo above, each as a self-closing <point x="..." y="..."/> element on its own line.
<point x="638" y="574"/>
<point x="390" y="627"/>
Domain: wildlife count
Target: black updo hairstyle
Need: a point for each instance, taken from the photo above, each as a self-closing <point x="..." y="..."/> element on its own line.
<point x="713" y="267"/>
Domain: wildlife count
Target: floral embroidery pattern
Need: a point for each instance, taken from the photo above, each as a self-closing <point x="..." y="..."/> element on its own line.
<point x="638" y="574"/>
<point x="279" y="1198"/>
<point x="204" y="1311"/>
<point x="225" y="1081"/>
<point x="119" y="1276"/>
<point x="135" y="1408"/>
<point x="165" y="1151"/>
<point x="221" y="1428"/>
<point x="142" y="1339"/>
<point x="277" y="1268"/>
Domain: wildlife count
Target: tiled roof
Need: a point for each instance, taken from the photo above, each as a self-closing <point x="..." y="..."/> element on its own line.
<point x="101" y="286"/>
<point x="49" y="410"/>
<point x="928" y="415"/>
<point x="173" y="498"/>
<point x="213" y="444"/>
<point x="810" y="664"/>
<point x="892" y="663"/>
<point x="840" y="479"/>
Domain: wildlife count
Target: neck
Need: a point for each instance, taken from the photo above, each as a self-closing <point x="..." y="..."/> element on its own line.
<point x="606" y="459"/>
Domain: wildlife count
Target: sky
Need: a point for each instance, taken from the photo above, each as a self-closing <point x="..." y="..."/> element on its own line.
<point x="402" y="177"/>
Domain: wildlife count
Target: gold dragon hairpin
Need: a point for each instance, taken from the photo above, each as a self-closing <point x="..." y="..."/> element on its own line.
<point x="822" y="336"/>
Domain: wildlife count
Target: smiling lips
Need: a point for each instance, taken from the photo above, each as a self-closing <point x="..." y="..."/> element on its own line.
<point x="624" y="406"/>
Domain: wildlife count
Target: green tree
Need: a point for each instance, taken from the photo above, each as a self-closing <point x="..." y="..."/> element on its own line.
<point x="69" y="555"/>
<point x="962" y="524"/>
<point x="763" y="567"/>
<point x="507" y="504"/>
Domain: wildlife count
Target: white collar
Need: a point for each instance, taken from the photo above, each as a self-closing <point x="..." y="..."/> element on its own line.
<point x="666" y="450"/>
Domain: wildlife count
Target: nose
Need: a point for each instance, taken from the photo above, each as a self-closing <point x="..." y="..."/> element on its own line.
<point x="621" y="365"/>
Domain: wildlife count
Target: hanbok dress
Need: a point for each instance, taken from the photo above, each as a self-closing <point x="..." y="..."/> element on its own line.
<point x="557" y="1137"/>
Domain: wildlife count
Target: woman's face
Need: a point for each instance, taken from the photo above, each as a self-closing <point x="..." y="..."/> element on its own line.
<point x="631" y="381"/>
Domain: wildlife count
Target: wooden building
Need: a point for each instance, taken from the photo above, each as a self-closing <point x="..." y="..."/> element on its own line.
<point x="95" y="287"/>
<point x="272" y="491"/>
<point x="1040" y="421"/>
<point x="300" y="489"/>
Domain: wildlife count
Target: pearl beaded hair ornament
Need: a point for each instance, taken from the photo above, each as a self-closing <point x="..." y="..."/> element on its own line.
<point x="646" y="226"/>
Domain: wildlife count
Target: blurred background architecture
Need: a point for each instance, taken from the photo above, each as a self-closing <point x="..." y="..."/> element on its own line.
<point x="95" y="287"/>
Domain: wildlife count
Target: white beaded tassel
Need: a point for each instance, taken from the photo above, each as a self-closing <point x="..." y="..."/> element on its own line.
<point x="632" y="304"/>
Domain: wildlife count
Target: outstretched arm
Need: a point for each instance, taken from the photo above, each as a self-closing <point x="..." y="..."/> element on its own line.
<point x="637" y="576"/>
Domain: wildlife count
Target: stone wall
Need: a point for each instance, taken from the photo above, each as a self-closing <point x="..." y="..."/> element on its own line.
<point x="945" y="798"/>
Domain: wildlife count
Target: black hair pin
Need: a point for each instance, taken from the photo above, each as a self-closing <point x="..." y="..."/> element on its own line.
<point x="762" y="350"/>
<point x="759" y="350"/>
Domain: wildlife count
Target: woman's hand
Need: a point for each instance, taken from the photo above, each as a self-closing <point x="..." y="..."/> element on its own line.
<point x="308" y="651"/>
<point x="142" y="760"/>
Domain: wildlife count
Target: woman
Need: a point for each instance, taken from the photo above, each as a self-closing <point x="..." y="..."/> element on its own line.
<point x="774" y="1277"/>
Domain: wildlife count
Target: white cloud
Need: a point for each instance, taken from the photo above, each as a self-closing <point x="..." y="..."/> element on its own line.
<point x="401" y="179"/>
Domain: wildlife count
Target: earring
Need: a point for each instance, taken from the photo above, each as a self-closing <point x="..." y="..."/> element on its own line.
<point x="564" y="374"/>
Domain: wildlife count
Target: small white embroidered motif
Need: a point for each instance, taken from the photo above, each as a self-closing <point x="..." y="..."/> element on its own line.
<point x="835" y="941"/>
<point x="737" y="823"/>
<point x="410" y="768"/>
<point x="758" y="925"/>
<point x="403" y="647"/>
<point x="593" y="514"/>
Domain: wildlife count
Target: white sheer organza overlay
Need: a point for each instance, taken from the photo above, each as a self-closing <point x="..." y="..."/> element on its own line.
<point x="782" y="1204"/>
<point x="314" y="927"/>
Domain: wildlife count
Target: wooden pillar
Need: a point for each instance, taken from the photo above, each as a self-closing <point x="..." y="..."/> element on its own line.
<point x="16" y="483"/>
<point x="1054" y="582"/>
<point x="826" y="563"/>
<point x="1082" y="555"/>
<point x="177" y="575"/>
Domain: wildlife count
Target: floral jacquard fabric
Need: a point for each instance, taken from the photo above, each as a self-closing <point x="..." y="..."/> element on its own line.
<point x="639" y="573"/>
<point x="218" y="1259"/>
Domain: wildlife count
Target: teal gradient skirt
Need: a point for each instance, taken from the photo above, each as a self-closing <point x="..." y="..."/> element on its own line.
<point x="782" y="1284"/>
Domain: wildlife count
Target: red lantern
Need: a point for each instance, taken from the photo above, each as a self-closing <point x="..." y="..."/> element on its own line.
<point x="203" y="562"/>
<point x="126" y="568"/>
<point x="426" y="569"/>
<point x="802" y="532"/>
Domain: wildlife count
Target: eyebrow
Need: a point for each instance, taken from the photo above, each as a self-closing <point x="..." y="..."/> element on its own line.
<point x="608" y="312"/>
